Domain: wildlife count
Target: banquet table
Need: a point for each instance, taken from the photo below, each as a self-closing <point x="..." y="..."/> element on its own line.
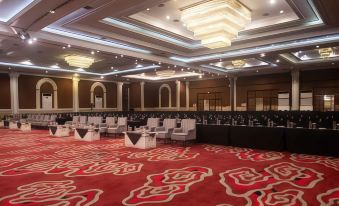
<point x="140" y="139"/>
<point x="59" y="131"/>
<point x="87" y="134"/>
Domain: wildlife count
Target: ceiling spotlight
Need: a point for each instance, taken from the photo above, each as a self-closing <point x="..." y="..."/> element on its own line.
<point x="281" y="11"/>
<point x="46" y="72"/>
<point x="63" y="47"/>
<point x="23" y="35"/>
<point x="182" y="69"/>
<point x="317" y="46"/>
<point x="148" y="9"/>
<point x="30" y="41"/>
<point x="159" y="63"/>
<point x="112" y="67"/>
<point x="52" y="11"/>
<point x="34" y="39"/>
<point x="257" y="71"/>
<point x="272" y="1"/>
<point x="69" y="46"/>
<point x="277" y="61"/>
<point x="116" y="57"/>
<point x="262" y="55"/>
<point x="122" y="55"/>
<point x="98" y="51"/>
<point x="188" y="68"/>
<point x="168" y="17"/>
<point x="333" y="63"/>
<point x="101" y="77"/>
<point x="116" y="70"/>
<point x="92" y="52"/>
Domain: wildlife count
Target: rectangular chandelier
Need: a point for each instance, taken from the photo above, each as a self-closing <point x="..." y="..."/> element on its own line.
<point x="216" y="22"/>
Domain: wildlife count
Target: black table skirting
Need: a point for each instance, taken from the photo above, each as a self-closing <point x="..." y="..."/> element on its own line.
<point x="6" y="123"/>
<point x="18" y="124"/>
<point x="53" y="129"/>
<point x="82" y="132"/>
<point x="305" y="141"/>
<point x="134" y="137"/>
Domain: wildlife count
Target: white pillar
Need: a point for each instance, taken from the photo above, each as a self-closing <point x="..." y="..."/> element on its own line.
<point x="230" y="84"/>
<point x="119" y="96"/>
<point x="76" y="94"/>
<point x="178" y="95"/>
<point x="187" y="95"/>
<point x="295" y="90"/>
<point x="142" y="96"/>
<point x="55" y="99"/>
<point x="235" y="93"/>
<point x="14" y="84"/>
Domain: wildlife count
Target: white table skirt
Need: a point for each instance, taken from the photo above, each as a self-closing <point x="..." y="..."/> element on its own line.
<point x="90" y="136"/>
<point x="61" y="131"/>
<point x="26" y="127"/>
<point x="145" y="141"/>
<point x="2" y="124"/>
<point x="13" y="125"/>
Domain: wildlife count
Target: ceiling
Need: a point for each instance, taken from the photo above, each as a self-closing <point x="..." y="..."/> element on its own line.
<point x="132" y="40"/>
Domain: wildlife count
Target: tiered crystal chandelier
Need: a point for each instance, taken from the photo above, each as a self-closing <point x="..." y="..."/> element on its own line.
<point x="216" y="22"/>
<point x="325" y="52"/>
<point x="79" y="61"/>
<point x="238" y="63"/>
<point x="165" y="73"/>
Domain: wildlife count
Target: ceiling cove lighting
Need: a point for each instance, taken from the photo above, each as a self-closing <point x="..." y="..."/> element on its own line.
<point x="93" y="39"/>
<point x="262" y="49"/>
<point x="216" y="22"/>
<point x="147" y="32"/>
<point x="165" y="73"/>
<point x="79" y="61"/>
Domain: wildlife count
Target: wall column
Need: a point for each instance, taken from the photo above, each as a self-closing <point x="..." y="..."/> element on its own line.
<point x="14" y="84"/>
<point x="187" y="95"/>
<point x="75" y="94"/>
<point x="178" y="95"/>
<point x="119" y="96"/>
<point x="142" y="96"/>
<point x="231" y="85"/>
<point x="235" y="93"/>
<point x="295" y="90"/>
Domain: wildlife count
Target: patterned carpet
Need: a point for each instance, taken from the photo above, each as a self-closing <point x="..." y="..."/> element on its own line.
<point x="36" y="169"/>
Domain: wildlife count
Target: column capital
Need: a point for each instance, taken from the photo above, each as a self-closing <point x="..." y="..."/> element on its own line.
<point x="187" y="82"/>
<point x="177" y="81"/>
<point x="120" y="83"/>
<point x="142" y="83"/>
<point x="14" y="74"/>
<point x="75" y="79"/>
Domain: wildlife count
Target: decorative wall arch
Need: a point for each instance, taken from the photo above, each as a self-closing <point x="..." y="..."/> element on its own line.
<point x="165" y="86"/>
<point x="98" y="84"/>
<point x="38" y="95"/>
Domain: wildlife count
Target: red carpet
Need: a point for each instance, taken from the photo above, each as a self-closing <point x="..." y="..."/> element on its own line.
<point x="36" y="169"/>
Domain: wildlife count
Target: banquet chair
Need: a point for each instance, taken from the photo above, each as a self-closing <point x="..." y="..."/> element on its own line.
<point x="119" y="128"/>
<point x="187" y="131"/>
<point x="110" y="122"/>
<point x="152" y="123"/>
<point x="166" y="130"/>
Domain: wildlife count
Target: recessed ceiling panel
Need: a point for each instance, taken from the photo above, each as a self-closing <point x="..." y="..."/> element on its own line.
<point x="239" y="64"/>
<point x="10" y="8"/>
<point x="167" y="16"/>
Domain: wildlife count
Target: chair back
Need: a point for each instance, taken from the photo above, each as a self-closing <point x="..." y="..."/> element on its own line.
<point x="153" y="122"/>
<point x="83" y="119"/>
<point x="75" y="119"/>
<point x="169" y="123"/>
<point x="187" y="124"/>
<point x="122" y="121"/>
<point x="110" y="120"/>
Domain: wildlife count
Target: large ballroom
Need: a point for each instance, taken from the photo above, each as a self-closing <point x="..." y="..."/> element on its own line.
<point x="169" y="102"/>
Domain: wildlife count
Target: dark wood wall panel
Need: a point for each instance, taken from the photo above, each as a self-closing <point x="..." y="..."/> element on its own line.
<point x="183" y="94"/>
<point x="205" y="86"/>
<point x="5" y="92"/>
<point x="279" y="82"/>
<point x="134" y="96"/>
<point x="327" y="78"/>
<point x="111" y="89"/>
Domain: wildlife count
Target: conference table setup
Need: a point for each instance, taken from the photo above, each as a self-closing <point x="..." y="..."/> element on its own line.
<point x="295" y="140"/>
